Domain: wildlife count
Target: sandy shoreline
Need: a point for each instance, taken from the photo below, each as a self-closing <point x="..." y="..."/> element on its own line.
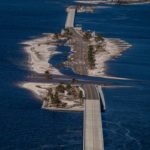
<point x="113" y="48"/>
<point x="39" y="51"/>
<point x="40" y="90"/>
<point x="123" y="2"/>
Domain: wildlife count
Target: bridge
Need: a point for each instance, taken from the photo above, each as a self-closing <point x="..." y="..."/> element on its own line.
<point x="70" y="17"/>
<point x="92" y="132"/>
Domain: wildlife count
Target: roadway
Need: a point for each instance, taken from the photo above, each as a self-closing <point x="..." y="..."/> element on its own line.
<point x="93" y="133"/>
<point x="80" y="48"/>
<point x="70" y="17"/>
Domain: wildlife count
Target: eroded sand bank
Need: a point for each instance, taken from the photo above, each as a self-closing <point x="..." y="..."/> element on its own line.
<point x="112" y="48"/>
<point x="39" y="51"/>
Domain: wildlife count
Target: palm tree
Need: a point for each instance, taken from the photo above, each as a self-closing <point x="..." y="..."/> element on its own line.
<point x="56" y="98"/>
<point x="60" y="88"/>
<point x="68" y="86"/>
<point x="81" y="96"/>
<point x="91" y="56"/>
<point x="87" y="35"/>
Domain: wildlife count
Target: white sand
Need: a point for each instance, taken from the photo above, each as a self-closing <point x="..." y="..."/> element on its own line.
<point x="40" y="91"/>
<point x="129" y="2"/>
<point x="90" y="1"/>
<point x="39" y="54"/>
<point x="113" y="48"/>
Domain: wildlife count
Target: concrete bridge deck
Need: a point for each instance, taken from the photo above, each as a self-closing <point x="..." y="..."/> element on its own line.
<point x="93" y="133"/>
<point x="70" y="17"/>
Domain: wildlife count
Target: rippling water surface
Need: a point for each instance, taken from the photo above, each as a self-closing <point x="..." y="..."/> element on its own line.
<point x="23" y="125"/>
<point x="126" y="121"/>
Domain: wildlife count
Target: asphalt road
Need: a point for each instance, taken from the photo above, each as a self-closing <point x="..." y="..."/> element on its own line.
<point x="80" y="47"/>
<point x="93" y="133"/>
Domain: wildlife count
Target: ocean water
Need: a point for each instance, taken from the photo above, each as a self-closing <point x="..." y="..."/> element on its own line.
<point x="23" y="125"/>
<point x="126" y="121"/>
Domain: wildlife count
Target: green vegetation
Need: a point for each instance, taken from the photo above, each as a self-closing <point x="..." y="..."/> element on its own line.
<point x="68" y="86"/>
<point x="81" y="96"/>
<point x="87" y="35"/>
<point x="53" y="97"/>
<point x="91" y="57"/>
<point x="56" y="35"/>
<point x="99" y="38"/>
<point x="56" y="99"/>
<point x="60" y="88"/>
<point x="66" y="30"/>
<point x="67" y="33"/>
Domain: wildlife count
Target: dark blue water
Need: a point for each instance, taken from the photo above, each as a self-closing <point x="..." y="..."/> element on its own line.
<point x="126" y="121"/>
<point x="23" y="125"/>
<point x="58" y="59"/>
